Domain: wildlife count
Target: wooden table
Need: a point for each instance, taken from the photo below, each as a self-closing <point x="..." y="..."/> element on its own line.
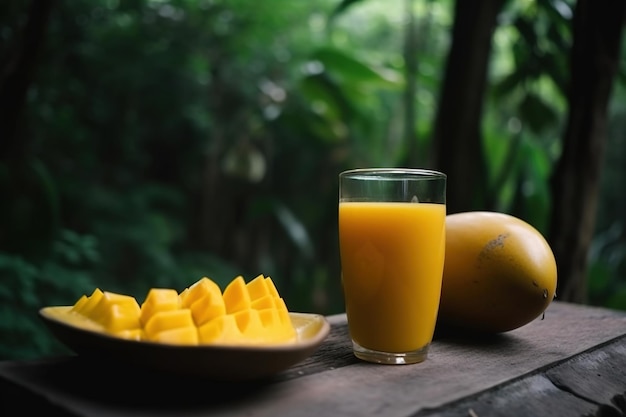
<point x="571" y="363"/>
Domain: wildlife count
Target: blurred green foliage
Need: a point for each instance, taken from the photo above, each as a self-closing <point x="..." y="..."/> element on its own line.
<point x="166" y="140"/>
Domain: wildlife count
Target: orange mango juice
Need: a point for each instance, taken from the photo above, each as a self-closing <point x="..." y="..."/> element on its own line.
<point x="392" y="257"/>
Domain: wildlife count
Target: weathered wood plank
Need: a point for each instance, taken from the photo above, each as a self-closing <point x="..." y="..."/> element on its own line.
<point x="590" y="384"/>
<point x="532" y="396"/>
<point x="598" y="376"/>
<point x="333" y="382"/>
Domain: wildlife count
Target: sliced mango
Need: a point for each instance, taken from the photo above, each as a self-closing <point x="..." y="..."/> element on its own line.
<point x="236" y="296"/>
<point x="85" y="305"/>
<point x="252" y="313"/>
<point x="271" y="287"/>
<point x="157" y="300"/>
<point x="131" y="334"/>
<point x="167" y="320"/>
<point x="80" y="304"/>
<point x="205" y="301"/>
<point x="179" y="336"/>
<point x="120" y="317"/>
<point x="198" y="290"/>
<point x="283" y="313"/>
<point x="249" y="324"/>
<point x="257" y="288"/>
<point x="263" y="303"/>
<point x="116" y="312"/>
<point x="223" y="329"/>
<point x="269" y="318"/>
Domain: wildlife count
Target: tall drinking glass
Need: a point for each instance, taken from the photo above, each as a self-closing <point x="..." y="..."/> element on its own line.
<point x="392" y="244"/>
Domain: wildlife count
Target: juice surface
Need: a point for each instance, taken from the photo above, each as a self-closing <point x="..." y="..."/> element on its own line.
<point x="392" y="263"/>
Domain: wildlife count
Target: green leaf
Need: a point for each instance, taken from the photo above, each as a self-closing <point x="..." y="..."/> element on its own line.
<point x="350" y="70"/>
<point x="507" y="85"/>
<point x="325" y="97"/>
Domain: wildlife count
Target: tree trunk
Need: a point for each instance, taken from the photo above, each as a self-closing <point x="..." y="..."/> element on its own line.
<point x="457" y="137"/>
<point x="28" y="212"/>
<point x="18" y="73"/>
<point x="576" y="180"/>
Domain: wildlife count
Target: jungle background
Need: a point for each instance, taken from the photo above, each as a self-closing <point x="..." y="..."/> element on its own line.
<point x="149" y="143"/>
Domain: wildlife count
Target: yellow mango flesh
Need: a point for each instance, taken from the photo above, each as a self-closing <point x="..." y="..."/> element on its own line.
<point x="205" y="301"/>
<point x="257" y="288"/>
<point x="131" y="334"/>
<point x="271" y="288"/>
<point x="120" y="317"/>
<point x="86" y="304"/>
<point x="157" y="300"/>
<point x="244" y="314"/>
<point x="115" y="312"/>
<point x="263" y="303"/>
<point x="168" y="320"/>
<point x="178" y="336"/>
<point x="236" y="296"/>
<point x="223" y="329"/>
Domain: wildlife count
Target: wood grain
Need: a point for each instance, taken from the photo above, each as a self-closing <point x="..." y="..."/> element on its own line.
<point x="531" y="396"/>
<point x="590" y="384"/>
<point x="569" y="363"/>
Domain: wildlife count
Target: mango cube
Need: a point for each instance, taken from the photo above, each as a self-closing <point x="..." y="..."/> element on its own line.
<point x="121" y="317"/>
<point x="115" y="312"/>
<point x="159" y="299"/>
<point x="86" y="304"/>
<point x="222" y="329"/>
<point x="249" y="324"/>
<point x="270" y="318"/>
<point x="271" y="287"/>
<point x="263" y="303"/>
<point x="80" y="303"/>
<point x="168" y="320"/>
<point x="236" y="296"/>
<point x="283" y="312"/>
<point x="257" y="288"/>
<point x="205" y="301"/>
<point x="198" y="290"/>
<point x="179" y="336"/>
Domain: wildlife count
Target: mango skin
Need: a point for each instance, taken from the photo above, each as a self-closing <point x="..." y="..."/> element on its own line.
<point x="499" y="273"/>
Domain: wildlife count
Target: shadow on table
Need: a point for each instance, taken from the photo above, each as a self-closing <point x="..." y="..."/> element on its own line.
<point x="111" y="384"/>
<point x="462" y="336"/>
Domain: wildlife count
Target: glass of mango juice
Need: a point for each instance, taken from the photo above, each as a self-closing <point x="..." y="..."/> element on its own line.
<point x="392" y="244"/>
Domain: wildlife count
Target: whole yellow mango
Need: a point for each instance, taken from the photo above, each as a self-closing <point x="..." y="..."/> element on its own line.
<point x="499" y="273"/>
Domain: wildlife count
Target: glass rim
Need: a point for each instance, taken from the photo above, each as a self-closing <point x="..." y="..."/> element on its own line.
<point x="391" y="173"/>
